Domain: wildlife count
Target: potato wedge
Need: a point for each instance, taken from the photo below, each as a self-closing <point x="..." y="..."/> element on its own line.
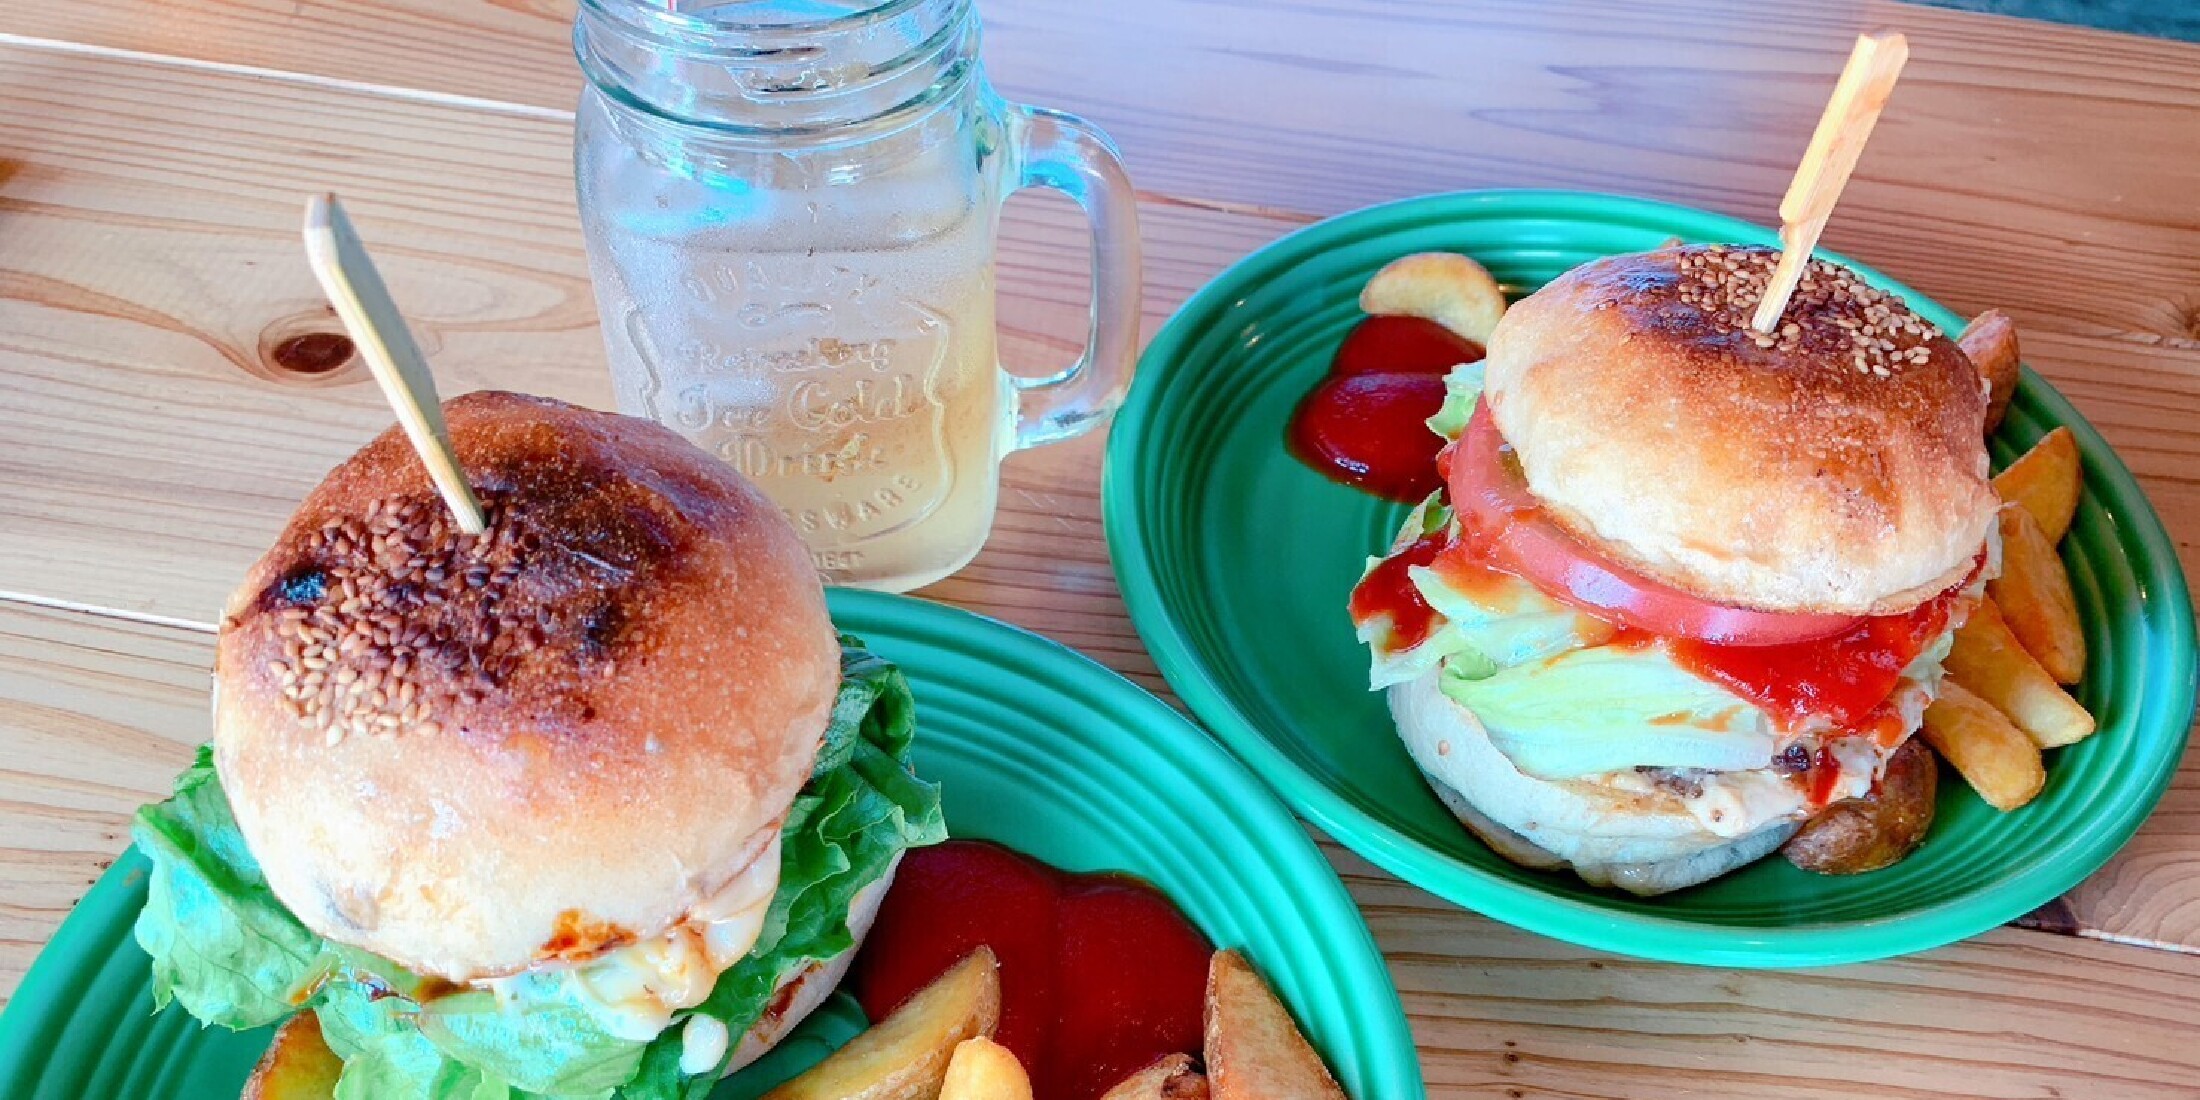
<point x="1990" y="340"/>
<point x="1988" y="659"/>
<point x="2034" y="595"/>
<point x="298" y="1065"/>
<point x="2045" y="480"/>
<point x="1866" y="834"/>
<point x="905" y="1056"/>
<point x="1254" y="1051"/>
<point x="1993" y="756"/>
<point x="1443" y="287"/>
<point x="982" y="1069"/>
<point x="1171" y="1077"/>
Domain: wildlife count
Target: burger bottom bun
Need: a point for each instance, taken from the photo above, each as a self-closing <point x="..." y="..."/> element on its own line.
<point x="804" y="990"/>
<point x="1641" y="879"/>
<point x="1643" y="841"/>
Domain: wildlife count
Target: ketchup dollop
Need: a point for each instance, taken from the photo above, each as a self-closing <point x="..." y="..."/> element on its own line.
<point x="1388" y="589"/>
<point x="1843" y="678"/>
<point x="1402" y="345"/>
<point x="1100" y="974"/>
<point x="1366" y="424"/>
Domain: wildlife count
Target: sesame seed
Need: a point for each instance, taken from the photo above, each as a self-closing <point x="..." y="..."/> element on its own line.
<point x="1830" y="309"/>
<point x="415" y="621"/>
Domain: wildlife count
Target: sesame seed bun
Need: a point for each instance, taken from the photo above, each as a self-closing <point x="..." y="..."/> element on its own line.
<point x="472" y="755"/>
<point x="1836" y="466"/>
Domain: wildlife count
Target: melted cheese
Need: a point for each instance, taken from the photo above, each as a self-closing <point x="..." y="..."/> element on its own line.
<point x="634" y="991"/>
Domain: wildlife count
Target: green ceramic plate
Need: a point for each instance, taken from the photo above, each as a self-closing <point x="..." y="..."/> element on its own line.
<point x="1034" y="746"/>
<point x="1236" y="561"/>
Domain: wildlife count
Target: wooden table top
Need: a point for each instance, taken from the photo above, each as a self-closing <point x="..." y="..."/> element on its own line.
<point x="153" y="155"/>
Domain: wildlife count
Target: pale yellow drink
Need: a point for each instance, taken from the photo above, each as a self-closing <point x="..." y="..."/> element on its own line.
<point x="791" y="208"/>
<point x="860" y="390"/>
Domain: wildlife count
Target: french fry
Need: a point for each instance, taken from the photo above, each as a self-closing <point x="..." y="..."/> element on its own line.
<point x="906" y="1055"/>
<point x="1988" y="659"/>
<point x="1254" y="1051"/>
<point x="1443" y="287"/>
<point x="984" y="1070"/>
<point x="2045" y="481"/>
<point x="298" y="1065"/>
<point x="2033" y="593"/>
<point x="1993" y="756"/>
<point x="1171" y="1077"/>
<point x="1990" y="340"/>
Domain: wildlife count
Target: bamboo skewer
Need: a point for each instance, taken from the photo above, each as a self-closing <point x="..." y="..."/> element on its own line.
<point x="347" y="274"/>
<point x="1858" y="97"/>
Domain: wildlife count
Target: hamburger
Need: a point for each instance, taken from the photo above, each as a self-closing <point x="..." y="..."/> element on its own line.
<point x="1688" y="585"/>
<point x="593" y="803"/>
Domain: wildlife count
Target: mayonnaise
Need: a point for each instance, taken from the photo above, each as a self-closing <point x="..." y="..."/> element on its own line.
<point x="634" y="991"/>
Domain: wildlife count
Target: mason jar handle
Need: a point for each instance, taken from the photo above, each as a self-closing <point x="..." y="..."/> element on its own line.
<point x="1072" y="156"/>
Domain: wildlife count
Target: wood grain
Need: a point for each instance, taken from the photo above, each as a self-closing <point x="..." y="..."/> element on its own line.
<point x="100" y="713"/>
<point x="144" y="466"/>
<point x="148" y="267"/>
<point x="97" y="716"/>
<point x="2043" y="169"/>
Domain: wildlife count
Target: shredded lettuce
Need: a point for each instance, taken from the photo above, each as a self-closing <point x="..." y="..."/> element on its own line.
<point x="1596" y="710"/>
<point x="1391" y="664"/>
<point x="225" y="948"/>
<point x="1462" y="389"/>
<point x="1507" y="621"/>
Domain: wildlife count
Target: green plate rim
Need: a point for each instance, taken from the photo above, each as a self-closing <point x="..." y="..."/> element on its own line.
<point x="1388" y="1060"/>
<point x="2165" y="602"/>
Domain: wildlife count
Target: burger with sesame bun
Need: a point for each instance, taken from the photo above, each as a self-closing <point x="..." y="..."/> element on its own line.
<point x="1688" y="586"/>
<point x="595" y="803"/>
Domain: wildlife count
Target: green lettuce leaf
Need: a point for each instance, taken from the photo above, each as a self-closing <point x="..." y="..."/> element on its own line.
<point x="1390" y="664"/>
<point x="1506" y="621"/>
<point x="1462" y="389"/>
<point x="1591" y="711"/>
<point x="385" y="1055"/>
<point x="220" y="941"/>
<point x="224" y="947"/>
<point x="843" y="832"/>
<point x="549" y="1048"/>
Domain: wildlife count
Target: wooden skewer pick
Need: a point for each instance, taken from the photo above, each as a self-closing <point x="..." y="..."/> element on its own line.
<point x="1866" y="82"/>
<point x="355" y="288"/>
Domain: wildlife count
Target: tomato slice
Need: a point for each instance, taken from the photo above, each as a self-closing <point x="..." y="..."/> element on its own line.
<point x="1497" y="508"/>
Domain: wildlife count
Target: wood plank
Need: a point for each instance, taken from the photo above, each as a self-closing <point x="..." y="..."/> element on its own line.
<point x="2041" y="168"/>
<point x="104" y="711"/>
<point x="97" y="716"/>
<point x="144" y="468"/>
<point x="2013" y="1013"/>
<point x="150" y="216"/>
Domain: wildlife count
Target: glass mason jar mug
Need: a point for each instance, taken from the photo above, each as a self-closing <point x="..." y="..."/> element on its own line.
<point x="791" y="208"/>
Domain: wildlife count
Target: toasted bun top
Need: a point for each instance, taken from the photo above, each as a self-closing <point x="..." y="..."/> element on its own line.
<point x="472" y="754"/>
<point x="1836" y="466"/>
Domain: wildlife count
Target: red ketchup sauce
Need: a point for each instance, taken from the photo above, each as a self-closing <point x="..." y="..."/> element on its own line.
<point x="1366" y="424"/>
<point x="1100" y="974"/>
<point x="1825" y="775"/>
<point x="1844" y="678"/>
<point x="1388" y="590"/>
